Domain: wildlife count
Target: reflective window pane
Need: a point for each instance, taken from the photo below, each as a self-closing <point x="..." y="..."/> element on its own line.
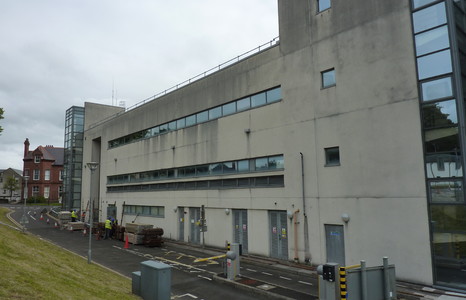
<point x="262" y="163"/>
<point x="274" y="95"/>
<point x="444" y="165"/>
<point x="163" y="128"/>
<point x="203" y="116"/>
<point x="243" y="104"/>
<point x="432" y="40"/>
<point x="202" y="170"/>
<point x="332" y="156"/>
<point x="323" y="5"/>
<point x="215" y="113"/>
<point x="190" y="120"/>
<point x="243" y="166"/>
<point x="229" y="167"/>
<point x="429" y="17"/>
<point x="441" y="140"/>
<point x="419" y="3"/>
<point x="439" y="114"/>
<point x="229" y="108"/>
<point x="215" y="168"/>
<point x="181" y="123"/>
<point x="172" y="126"/>
<point x="328" y="78"/>
<point x="434" y="64"/>
<point x="258" y="100"/>
<point x="437" y="89"/>
<point x="276" y="162"/>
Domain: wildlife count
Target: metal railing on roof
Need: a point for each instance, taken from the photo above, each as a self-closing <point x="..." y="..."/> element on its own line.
<point x="221" y="66"/>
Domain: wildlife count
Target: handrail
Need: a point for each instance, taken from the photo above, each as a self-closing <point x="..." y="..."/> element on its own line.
<point x="199" y="76"/>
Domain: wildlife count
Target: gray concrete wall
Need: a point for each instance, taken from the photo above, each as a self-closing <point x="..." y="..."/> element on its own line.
<point x="372" y="114"/>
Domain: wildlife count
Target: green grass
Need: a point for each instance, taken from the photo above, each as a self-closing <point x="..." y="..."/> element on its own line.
<point x="31" y="268"/>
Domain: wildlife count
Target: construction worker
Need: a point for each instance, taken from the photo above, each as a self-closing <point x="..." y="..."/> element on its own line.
<point x="74" y="216"/>
<point x="108" y="228"/>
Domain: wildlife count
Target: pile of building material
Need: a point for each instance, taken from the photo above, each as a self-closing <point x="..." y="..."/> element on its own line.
<point x="153" y="237"/>
<point x="72" y="226"/>
<point x="64" y="217"/>
<point x="134" y="232"/>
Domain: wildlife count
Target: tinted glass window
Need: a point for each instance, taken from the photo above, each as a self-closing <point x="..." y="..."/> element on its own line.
<point x="258" y="100"/>
<point x="229" y="108"/>
<point x="262" y="163"/>
<point x="243" y="165"/>
<point x="274" y="95"/>
<point x="434" y="64"/>
<point x="332" y="156"/>
<point x="181" y="123"/>
<point x="203" y="116"/>
<point x="439" y="114"/>
<point x="441" y="140"/>
<point x="243" y="104"/>
<point x="172" y="126"/>
<point x="432" y="40"/>
<point x="328" y="78"/>
<point x="229" y="167"/>
<point x="443" y="165"/>
<point x="215" y="168"/>
<point x="323" y="5"/>
<point x="437" y="89"/>
<point x="419" y="3"/>
<point x="191" y="120"/>
<point x="202" y="170"/>
<point x="215" y="113"/>
<point x="276" y="162"/>
<point x="429" y="17"/>
<point x="163" y="128"/>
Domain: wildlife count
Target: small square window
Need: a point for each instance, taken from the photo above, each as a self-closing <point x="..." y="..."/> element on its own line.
<point x="37" y="159"/>
<point x="323" y="5"/>
<point x="332" y="156"/>
<point x="328" y="78"/>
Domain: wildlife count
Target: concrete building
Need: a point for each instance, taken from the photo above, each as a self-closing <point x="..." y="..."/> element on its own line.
<point x="341" y="142"/>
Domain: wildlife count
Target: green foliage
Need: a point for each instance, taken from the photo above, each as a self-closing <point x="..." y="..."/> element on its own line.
<point x="37" y="199"/>
<point x="11" y="185"/>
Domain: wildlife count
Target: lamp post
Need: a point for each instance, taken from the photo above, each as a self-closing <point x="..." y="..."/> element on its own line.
<point x="92" y="166"/>
<point x="24" y="218"/>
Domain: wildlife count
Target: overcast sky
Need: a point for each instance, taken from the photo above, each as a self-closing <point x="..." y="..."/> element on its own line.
<point x="58" y="53"/>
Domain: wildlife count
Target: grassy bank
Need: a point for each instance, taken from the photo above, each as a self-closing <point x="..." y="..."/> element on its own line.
<point x="31" y="268"/>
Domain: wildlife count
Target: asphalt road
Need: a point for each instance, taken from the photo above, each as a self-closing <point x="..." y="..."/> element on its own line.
<point x="190" y="280"/>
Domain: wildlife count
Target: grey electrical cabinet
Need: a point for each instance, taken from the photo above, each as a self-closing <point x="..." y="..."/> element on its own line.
<point x="156" y="280"/>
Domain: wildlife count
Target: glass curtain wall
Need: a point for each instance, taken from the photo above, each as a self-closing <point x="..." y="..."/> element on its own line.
<point x="74" y="132"/>
<point x="438" y="28"/>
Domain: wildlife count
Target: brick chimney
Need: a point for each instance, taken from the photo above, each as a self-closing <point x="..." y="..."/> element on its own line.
<point x="26" y="147"/>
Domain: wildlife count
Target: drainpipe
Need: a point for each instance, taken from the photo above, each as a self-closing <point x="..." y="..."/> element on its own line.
<point x="307" y="254"/>
<point x="295" y="223"/>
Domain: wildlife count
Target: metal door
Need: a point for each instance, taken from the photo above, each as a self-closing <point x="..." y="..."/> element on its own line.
<point x="240" y="228"/>
<point x="181" y="223"/>
<point x="112" y="211"/>
<point x="195" y="229"/>
<point x="335" y="243"/>
<point x="278" y="234"/>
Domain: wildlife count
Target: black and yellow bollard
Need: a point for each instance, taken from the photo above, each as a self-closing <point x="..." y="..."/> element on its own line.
<point x="343" y="292"/>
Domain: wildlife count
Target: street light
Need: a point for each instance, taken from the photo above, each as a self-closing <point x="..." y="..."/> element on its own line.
<point x="92" y="166"/>
<point x="24" y="218"/>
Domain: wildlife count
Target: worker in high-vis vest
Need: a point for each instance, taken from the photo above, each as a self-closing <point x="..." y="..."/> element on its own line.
<point x="74" y="216"/>
<point x="108" y="228"/>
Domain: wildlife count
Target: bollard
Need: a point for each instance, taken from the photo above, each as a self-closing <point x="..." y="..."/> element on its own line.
<point x="363" y="280"/>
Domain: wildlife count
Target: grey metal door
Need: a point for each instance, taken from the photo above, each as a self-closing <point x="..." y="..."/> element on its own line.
<point x="240" y="228"/>
<point x="335" y="243"/>
<point x="112" y="211"/>
<point x="278" y="234"/>
<point x="181" y="223"/>
<point x="195" y="229"/>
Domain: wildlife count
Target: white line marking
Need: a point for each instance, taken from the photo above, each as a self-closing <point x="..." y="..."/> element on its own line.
<point x="303" y="282"/>
<point x="251" y="270"/>
<point x="265" y="273"/>
<point x="204" y="277"/>
<point x="286" y="278"/>
<point x="181" y="296"/>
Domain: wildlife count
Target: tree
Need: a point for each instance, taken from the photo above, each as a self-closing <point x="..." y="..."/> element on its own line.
<point x="1" y="117"/>
<point x="11" y="184"/>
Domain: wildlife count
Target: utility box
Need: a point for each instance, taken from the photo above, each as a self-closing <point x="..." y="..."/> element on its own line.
<point x="156" y="280"/>
<point x="329" y="285"/>
<point x="136" y="283"/>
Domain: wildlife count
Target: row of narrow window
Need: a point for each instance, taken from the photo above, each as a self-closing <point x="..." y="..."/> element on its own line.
<point x="268" y="163"/>
<point x="246" y="103"/>
<point x="231" y="183"/>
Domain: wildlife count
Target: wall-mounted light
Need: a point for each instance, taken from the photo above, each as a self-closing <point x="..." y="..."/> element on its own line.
<point x="247" y="131"/>
<point x="175" y="209"/>
<point x="345" y="218"/>
<point x="289" y="214"/>
<point x="227" y="211"/>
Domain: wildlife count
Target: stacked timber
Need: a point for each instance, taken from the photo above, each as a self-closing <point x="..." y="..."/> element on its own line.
<point x="120" y="233"/>
<point x="64" y="217"/>
<point x="153" y="237"/>
<point x="75" y="226"/>
<point x="134" y="232"/>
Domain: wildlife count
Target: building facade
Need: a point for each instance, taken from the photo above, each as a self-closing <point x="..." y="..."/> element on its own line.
<point x="5" y="193"/>
<point x="44" y="166"/>
<point x="341" y="142"/>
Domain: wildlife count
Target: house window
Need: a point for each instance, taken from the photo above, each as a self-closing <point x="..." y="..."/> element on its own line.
<point x="35" y="191"/>
<point x="47" y="175"/>
<point x="332" y="156"/>
<point x="37" y="159"/>
<point x="46" y="192"/>
<point x="328" y="78"/>
<point x="60" y="175"/>
<point x="36" y="175"/>
<point x="323" y="5"/>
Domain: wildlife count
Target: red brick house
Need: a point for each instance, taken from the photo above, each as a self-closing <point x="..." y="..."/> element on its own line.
<point x="44" y="166"/>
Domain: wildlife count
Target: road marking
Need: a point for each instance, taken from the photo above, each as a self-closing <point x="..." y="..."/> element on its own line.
<point x="265" y="273"/>
<point x="303" y="282"/>
<point x="187" y="295"/>
<point x="251" y="270"/>
<point x="286" y="278"/>
<point x="210" y="279"/>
